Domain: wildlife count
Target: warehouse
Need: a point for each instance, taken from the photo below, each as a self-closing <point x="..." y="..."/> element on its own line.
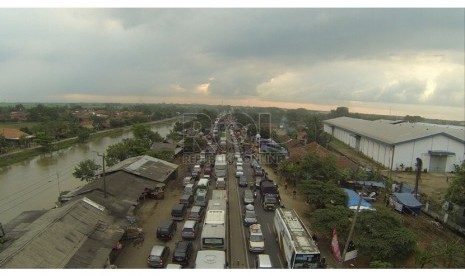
<point x="397" y="145"/>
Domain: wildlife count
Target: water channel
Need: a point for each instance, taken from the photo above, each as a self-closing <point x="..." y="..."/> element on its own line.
<point x="36" y="183"/>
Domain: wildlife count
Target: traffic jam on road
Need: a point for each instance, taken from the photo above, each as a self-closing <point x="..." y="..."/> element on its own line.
<point x="230" y="215"/>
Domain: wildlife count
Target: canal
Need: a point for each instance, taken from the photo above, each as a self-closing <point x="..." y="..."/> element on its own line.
<point x="36" y="183"/>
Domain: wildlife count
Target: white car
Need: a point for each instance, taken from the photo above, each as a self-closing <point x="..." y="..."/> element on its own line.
<point x="239" y="171"/>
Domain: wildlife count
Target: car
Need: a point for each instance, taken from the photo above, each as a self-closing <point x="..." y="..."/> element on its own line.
<point x="196" y="213"/>
<point x="237" y="155"/>
<point x="179" y="211"/>
<point x="256" y="239"/>
<point x="248" y="197"/>
<point x="250" y="217"/>
<point x="158" y="256"/>
<point x="183" y="252"/>
<point x="186" y="180"/>
<point x="190" y="229"/>
<point x="263" y="261"/>
<point x="269" y="202"/>
<point x="220" y="183"/>
<point x="201" y="198"/>
<point x="243" y="181"/>
<point x="186" y="199"/>
<point x="166" y="230"/>
<point x="239" y="171"/>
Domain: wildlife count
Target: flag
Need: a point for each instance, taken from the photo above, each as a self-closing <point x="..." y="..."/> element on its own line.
<point x="335" y="247"/>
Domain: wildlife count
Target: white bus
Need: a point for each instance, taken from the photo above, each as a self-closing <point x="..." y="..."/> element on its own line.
<point x="210" y="259"/>
<point x="214" y="231"/>
<point x="221" y="166"/>
<point x="295" y="241"/>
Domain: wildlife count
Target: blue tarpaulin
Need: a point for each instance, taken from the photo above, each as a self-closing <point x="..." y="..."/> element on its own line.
<point x="352" y="203"/>
<point x="405" y="202"/>
<point x="408" y="200"/>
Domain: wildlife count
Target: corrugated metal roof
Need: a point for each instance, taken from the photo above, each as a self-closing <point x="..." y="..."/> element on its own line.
<point x="75" y="235"/>
<point x="393" y="134"/>
<point x="146" y="166"/>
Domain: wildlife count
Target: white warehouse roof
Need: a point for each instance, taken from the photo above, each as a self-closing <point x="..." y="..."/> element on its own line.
<point x="386" y="132"/>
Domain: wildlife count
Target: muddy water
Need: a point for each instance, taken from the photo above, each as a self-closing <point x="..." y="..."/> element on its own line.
<point x="36" y="183"/>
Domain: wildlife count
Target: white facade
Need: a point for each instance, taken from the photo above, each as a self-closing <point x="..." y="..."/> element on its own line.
<point x="438" y="150"/>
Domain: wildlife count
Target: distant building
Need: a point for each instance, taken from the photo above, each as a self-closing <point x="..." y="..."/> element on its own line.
<point x="14" y="135"/>
<point x="397" y="144"/>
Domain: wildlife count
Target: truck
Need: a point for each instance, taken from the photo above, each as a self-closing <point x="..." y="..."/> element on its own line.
<point x="267" y="186"/>
<point x="295" y="241"/>
<point x="221" y="166"/>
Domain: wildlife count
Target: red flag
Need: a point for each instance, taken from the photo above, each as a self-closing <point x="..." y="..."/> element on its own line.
<point x="335" y="247"/>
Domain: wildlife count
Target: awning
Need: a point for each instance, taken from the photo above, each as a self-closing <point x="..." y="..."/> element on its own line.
<point x="440" y="153"/>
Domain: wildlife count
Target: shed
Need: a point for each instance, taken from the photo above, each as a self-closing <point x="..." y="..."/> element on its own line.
<point x="405" y="202"/>
<point x="81" y="234"/>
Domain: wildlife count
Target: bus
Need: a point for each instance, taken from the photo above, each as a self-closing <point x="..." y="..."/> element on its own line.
<point x="221" y="166"/>
<point x="214" y="231"/>
<point x="295" y="241"/>
<point x="210" y="259"/>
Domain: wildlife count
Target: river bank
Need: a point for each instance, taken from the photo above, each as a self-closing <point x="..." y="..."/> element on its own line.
<point x="21" y="155"/>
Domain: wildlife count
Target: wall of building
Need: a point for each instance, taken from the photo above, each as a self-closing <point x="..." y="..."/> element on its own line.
<point x="377" y="151"/>
<point x="405" y="153"/>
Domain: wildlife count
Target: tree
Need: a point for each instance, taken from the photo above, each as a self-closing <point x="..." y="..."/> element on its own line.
<point x="83" y="135"/>
<point x="289" y="170"/>
<point x="322" y="194"/>
<point x="382" y="236"/>
<point x="340" y="112"/>
<point x="3" y="144"/>
<point x="333" y="217"/>
<point x="125" y="149"/>
<point x="456" y="191"/>
<point x="145" y="134"/>
<point x="324" y="169"/>
<point x="86" y="170"/>
<point x="450" y="254"/>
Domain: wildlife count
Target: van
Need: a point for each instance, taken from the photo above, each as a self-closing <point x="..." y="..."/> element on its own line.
<point x="189" y="189"/>
<point x="179" y="211"/>
<point x="263" y="261"/>
<point x="190" y="229"/>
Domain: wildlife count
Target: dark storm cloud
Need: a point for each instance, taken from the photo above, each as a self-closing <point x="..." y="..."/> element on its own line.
<point x="318" y="56"/>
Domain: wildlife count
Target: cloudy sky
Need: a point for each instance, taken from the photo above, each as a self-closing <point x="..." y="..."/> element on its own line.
<point x="385" y="61"/>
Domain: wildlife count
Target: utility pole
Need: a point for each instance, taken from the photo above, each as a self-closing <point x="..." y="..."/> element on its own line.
<point x="349" y="238"/>
<point x="104" y="179"/>
<point x="419" y="166"/>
